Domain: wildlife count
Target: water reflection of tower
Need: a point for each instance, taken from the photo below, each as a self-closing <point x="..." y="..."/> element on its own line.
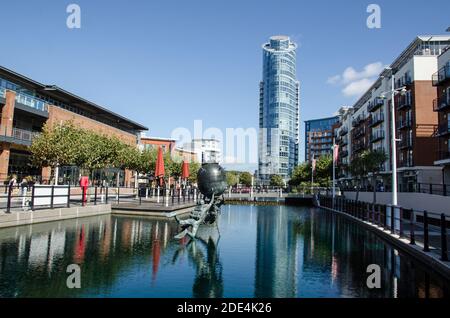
<point x="276" y="254"/>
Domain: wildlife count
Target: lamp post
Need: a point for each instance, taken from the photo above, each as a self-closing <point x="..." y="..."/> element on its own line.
<point x="394" y="140"/>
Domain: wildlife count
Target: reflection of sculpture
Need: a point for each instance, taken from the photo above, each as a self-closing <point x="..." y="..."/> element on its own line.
<point x="212" y="184"/>
<point x="208" y="279"/>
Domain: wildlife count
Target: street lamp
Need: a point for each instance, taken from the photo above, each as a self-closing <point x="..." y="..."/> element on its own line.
<point x="393" y="91"/>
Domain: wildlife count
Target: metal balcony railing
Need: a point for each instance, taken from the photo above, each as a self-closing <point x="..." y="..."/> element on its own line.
<point x="2" y="92"/>
<point x="19" y="134"/>
<point x="444" y="129"/>
<point x="376" y="119"/>
<point x="404" y="101"/>
<point x="377" y="136"/>
<point x="441" y="76"/>
<point x="404" y="123"/>
<point x="343" y="132"/>
<point x="441" y="103"/>
<point x="31" y="101"/>
<point x="375" y="104"/>
<point x="405" y="143"/>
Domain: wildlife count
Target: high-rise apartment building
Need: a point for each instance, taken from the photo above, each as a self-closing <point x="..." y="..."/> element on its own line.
<point x="279" y="115"/>
<point x="319" y="137"/>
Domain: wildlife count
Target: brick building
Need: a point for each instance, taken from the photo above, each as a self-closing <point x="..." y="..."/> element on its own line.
<point x="26" y="105"/>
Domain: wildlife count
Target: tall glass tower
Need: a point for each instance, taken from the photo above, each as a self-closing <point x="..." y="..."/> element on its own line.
<point x="279" y="115"/>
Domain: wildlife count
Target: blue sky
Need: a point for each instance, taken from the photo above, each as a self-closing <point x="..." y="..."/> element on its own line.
<point x="167" y="63"/>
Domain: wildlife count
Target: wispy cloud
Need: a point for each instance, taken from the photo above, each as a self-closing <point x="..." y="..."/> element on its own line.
<point x="355" y="82"/>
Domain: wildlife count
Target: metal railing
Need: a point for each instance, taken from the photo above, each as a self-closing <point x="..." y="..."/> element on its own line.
<point x="441" y="75"/>
<point x="38" y="197"/>
<point x="377" y="135"/>
<point x="441" y="103"/>
<point x="376" y="119"/>
<point x="377" y="102"/>
<point x="423" y="228"/>
<point x="2" y="92"/>
<point x="31" y="101"/>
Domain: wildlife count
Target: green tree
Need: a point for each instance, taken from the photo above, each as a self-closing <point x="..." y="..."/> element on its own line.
<point x="245" y="178"/>
<point x="357" y="171"/>
<point x="232" y="178"/>
<point x="373" y="160"/>
<point x="56" y="146"/>
<point x="276" y="180"/>
<point x="301" y="174"/>
<point x="324" y="171"/>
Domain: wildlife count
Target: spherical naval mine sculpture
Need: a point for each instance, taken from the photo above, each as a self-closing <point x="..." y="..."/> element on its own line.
<point x="211" y="180"/>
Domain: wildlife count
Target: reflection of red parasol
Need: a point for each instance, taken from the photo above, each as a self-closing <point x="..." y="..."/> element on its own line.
<point x="159" y="169"/>
<point x="185" y="170"/>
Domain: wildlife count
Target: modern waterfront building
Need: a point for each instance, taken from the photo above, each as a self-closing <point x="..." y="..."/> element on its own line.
<point x="441" y="105"/>
<point x="207" y="149"/>
<point x="279" y="116"/>
<point x="26" y="105"/>
<point x="319" y="137"/>
<point x="416" y="123"/>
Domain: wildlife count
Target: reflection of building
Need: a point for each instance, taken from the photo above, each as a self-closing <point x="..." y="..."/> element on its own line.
<point x="207" y="149"/>
<point x="279" y="113"/>
<point x="276" y="255"/>
<point x="319" y="137"/>
<point x="26" y="105"/>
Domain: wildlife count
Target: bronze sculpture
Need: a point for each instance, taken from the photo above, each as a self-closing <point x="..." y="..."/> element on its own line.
<point x="212" y="184"/>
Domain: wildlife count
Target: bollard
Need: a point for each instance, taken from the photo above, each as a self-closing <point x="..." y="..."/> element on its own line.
<point x="8" y="204"/>
<point x="68" y="195"/>
<point x="426" y="247"/>
<point x="412" y="224"/>
<point x="444" y="248"/>
<point x="52" y="196"/>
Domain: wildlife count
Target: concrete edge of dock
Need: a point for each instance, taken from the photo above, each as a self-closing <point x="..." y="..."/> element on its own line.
<point x="427" y="258"/>
<point x="49" y="215"/>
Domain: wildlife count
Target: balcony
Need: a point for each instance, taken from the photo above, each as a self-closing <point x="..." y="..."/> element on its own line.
<point x="404" y="123"/>
<point x="31" y="101"/>
<point x="2" y="92"/>
<point x="441" y="76"/>
<point x="405" y="80"/>
<point x="359" y="146"/>
<point x="441" y="103"/>
<point x="404" y="102"/>
<point x="375" y="104"/>
<point x="376" y="119"/>
<point x="358" y="120"/>
<point x="444" y="129"/>
<point x="343" y="132"/>
<point x="378" y="135"/>
<point x="405" y="143"/>
<point x="18" y="136"/>
<point x="405" y="163"/>
<point x="359" y="132"/>
<point x="343" y="142"/>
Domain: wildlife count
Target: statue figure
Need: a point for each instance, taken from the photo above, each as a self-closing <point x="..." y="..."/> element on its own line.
<point x="212" y="184"/>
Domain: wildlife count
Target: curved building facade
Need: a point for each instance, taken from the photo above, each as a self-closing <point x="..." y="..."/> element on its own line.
<point x="279" y="114"/>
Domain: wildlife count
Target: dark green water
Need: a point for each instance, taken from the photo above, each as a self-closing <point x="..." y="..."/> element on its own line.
<point x="263" y="251"/>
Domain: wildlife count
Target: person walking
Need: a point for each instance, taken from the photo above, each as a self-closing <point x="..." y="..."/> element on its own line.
<point x="24" y="190"/>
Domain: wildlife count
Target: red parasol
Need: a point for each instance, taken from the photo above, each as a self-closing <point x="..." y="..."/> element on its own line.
<point x="159" y="169"/>
<point x="185" y="170"/>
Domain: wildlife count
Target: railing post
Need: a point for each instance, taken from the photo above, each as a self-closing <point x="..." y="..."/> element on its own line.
<point x="106" y="195"/>
<point x="118" y="195"/>
<point x="95" y="195"/>
<point x="392" y="220"/>
<point x="32" y="198"/>
<point x="426" y="247"/>
<point x="400" y="222"/>
<point x="444" y="248"/>
<point x="431" y="188"/>
<point x="68" y="195"/>
<point x="444" y="190"/>
<point x="412" y="224"/>
<point x="8" y="204"/>
<point x="52" y="196"/>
